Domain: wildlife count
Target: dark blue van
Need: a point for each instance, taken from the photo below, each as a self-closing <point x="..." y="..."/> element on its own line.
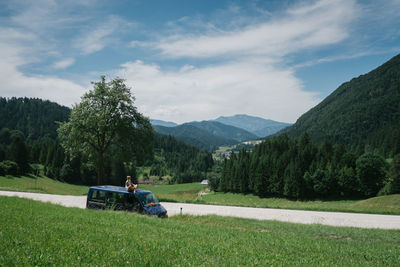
<point x="117" y="198"/>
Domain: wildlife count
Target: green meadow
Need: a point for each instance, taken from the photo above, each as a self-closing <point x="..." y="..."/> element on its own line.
<point x="41" y="184"/>
<point x="176" y="192"/>
<point x="382" y="205"/>
<point x="41" y="234"/>
<point x="190" y="193"/>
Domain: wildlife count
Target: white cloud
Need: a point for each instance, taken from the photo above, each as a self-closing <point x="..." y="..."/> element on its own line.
<point x="64" y="63"/>
<point x="15" y="83"/>
<point x="33" y="35"/>
<point x="250" y="76"/>
<point x="95" y="39"/>
<point x="41" y="16"/>
<point x="205" y="93"/>
<point x="304" y="27"/>
<point x="249" y="73"/>
<point x="55" y="89"/>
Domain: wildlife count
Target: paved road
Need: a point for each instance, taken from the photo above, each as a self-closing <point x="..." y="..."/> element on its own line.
<point x="295" y="216"/>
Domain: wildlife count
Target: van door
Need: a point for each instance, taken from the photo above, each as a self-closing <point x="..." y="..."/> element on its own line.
<point x="97" y="199"/>
<point x="132" y="203"/>
<point x="115" y="201"/>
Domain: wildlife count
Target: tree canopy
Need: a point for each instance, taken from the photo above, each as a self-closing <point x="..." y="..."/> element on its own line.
<point x="298" y="169"/>
<point x="106" y="117"/>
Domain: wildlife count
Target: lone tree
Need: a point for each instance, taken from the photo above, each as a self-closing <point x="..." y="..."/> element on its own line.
<point x="106" y="117"/>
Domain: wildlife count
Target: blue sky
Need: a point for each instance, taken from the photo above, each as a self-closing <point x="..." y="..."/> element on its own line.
<point x="196" y="60"/>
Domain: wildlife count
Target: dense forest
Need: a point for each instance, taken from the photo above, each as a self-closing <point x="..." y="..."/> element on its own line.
<point x="28" y="135"/>
<point x="194" y="136"/>
<point x="298" y="169"/>
<point x="361" y="113"/>
<point x="34" y="117"/>
<point x="183" y="162"/>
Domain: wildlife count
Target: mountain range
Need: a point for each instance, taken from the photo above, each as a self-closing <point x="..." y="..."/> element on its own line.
<point x="221" y="131"/>
<point x="363" y="114"/>
<point x="255" y="125"/>
<point x="163" y="123"/>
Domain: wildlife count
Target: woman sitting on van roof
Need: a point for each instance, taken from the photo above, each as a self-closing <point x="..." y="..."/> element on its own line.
<point x="130" y="187"/>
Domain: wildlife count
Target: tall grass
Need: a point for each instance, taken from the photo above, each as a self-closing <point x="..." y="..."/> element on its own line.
<point x="35" y="233"/>
<point x="40" y="184"/>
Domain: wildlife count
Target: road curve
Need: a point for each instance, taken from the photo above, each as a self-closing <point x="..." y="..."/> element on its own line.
<point x="295" y="216"/>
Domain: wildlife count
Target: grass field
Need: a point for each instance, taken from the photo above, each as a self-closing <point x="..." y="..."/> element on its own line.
<point x="383" y="205"/>
<point x="41" y="234"/>
<point x="190" y="193"/>
<point x="40" y="185"/>
<point x="176" y="192"/>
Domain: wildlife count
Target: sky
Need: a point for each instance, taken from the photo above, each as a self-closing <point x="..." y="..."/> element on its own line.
<point x="195" y="60"/>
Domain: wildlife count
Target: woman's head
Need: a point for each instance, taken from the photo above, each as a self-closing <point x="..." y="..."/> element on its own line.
<point x="128" y="177"/>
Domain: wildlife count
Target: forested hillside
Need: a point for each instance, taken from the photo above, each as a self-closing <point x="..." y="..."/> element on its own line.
<point x="363" y="113"/>
<point x="28" y="135"/>
<point x="192" y="135"/>
<point x="35" y="118"/>
<point x="183" y="162"/>
<point x="224" y="131"/>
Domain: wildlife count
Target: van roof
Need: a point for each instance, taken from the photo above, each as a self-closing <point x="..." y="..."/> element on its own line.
<point x="118" y="189"/>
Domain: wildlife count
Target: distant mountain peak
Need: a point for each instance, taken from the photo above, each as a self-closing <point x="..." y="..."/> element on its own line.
<point x="163" y="123"/>
<point x="208" y="134"/>
<point x="256" y="125"/>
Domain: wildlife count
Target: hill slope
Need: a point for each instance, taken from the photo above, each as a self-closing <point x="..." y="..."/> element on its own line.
<point x="255" y="125"/>
<point x="363" y="111"/>
<point x="224" y="131"/>
<point x="195" y="136"/>
<point x="34" y="117"/>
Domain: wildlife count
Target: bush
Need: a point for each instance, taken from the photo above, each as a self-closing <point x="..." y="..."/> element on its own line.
<point x="8" y="167"/>
<point x="213" y="181"/>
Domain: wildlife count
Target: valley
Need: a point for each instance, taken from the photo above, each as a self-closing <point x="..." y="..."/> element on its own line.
<point x="269" y="131"/>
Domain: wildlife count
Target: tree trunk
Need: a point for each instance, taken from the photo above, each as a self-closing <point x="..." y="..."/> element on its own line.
<point x="100" y="168"/>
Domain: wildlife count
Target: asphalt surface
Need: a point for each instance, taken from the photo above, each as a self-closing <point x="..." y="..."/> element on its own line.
<point x="295" y="216"/>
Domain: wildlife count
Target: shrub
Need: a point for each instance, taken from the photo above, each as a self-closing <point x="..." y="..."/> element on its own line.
<point x="8" y="167"/>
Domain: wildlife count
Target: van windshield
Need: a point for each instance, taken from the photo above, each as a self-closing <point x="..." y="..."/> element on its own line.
<point x="148" y="199"/>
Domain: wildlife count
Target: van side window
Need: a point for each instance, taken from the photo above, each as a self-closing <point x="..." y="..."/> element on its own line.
<point x="120" y="198"/>
<point x="114" y="197"/>
<point x="98" y="195"/>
